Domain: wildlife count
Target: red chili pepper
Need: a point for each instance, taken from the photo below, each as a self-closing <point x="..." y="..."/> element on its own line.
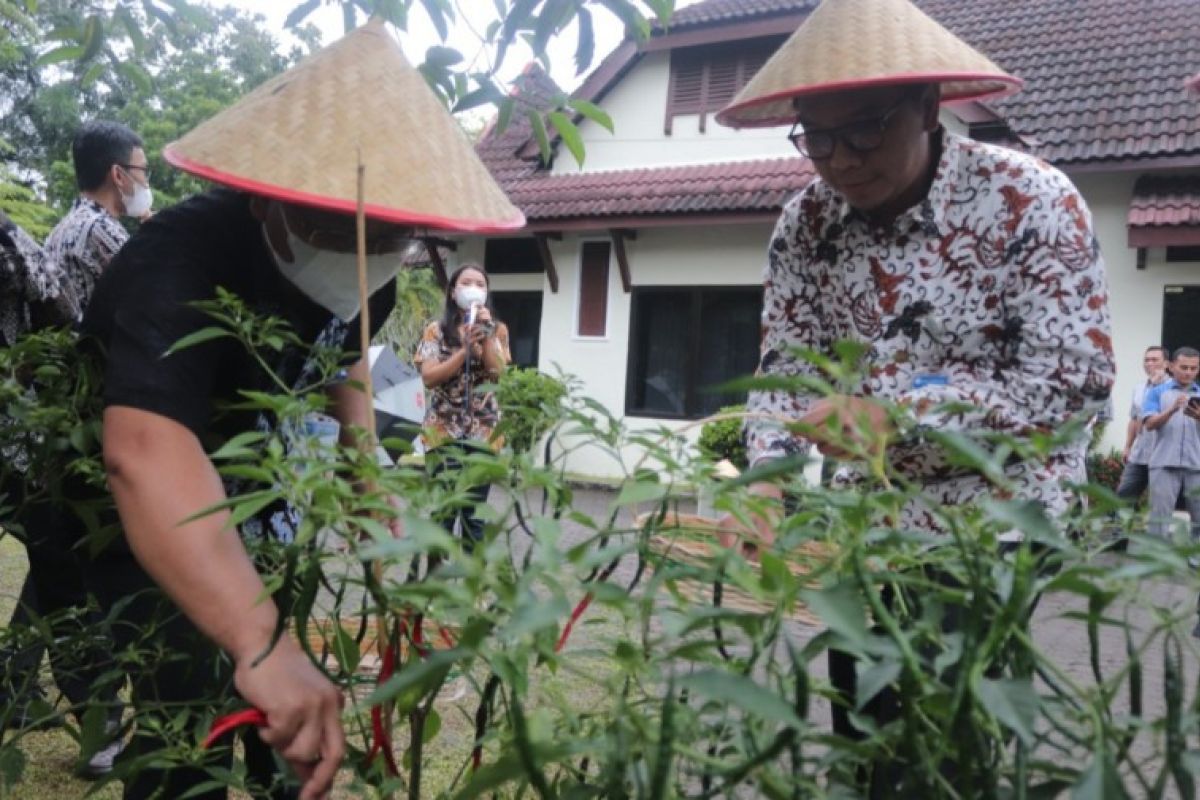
<point x="227" y="723"/>
<point x="381" y="740"/>
<point x="570" y="626"/>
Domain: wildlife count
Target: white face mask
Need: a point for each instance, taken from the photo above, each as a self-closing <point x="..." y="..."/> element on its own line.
<point x="467" y="296"/>
<point x="330" y="279"/>
<point x="138" y="204"/>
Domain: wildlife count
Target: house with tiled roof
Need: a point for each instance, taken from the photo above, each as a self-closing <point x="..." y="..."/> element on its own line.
<point x="639" y="271"/>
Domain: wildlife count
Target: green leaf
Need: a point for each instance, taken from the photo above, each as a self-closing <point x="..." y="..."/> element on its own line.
<point x="875" y="680"/>
<point x="13" y="14"/>
<point x="249" y="505"/>
<point x="300" y="12"/>
<point x="345" y="650"/>
<point x="416" y="679"/>
<point x="239" y="446"/>
<point x="1027" y="516"/>
<point x="547" y="24"/>
<point x="627" y="12"/>
<point x="70" y="52"/>
<point x="570" y="135"/>
<point x="504" y="114"/>
<point x="93" y="731"/>
<point x="437" y="15"/>
<point x="841" y="608"/>
<point x="516" y="18"/>
<point x="738" y="690"/>
<point x="199" y="337"/>
<point x="491" y="776"/>
<point x="441" y="58"/>
<point x="594" y="113"/>
<point x="432" y="726"/>
<point x="133" y="29"/>
<point x="539" y="132"/>
<point x="1100" y="780"/>
<point x="640" y="492"/>
<point x="93" y="37"/>
<point x="585" y="46"/>
<point x="486" y="93"/>
<point x="1013" y="702"/>
<point x="92" y="75"/>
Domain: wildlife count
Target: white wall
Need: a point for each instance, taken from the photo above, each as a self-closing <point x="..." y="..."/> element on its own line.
<point x="1136" y="296"/>
<point x="693" y="256"/>
<point x="637" y="106"/>
<point x="734" y="255"/>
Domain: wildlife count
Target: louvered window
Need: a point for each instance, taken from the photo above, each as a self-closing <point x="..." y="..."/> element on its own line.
<point x="705" y="79"/>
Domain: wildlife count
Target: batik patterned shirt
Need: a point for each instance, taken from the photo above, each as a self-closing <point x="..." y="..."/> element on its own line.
<point x="448" y="416"/>
<point x="30" y="286"/>
<point x="81" y="245"/>
<point x="990" y="293"/>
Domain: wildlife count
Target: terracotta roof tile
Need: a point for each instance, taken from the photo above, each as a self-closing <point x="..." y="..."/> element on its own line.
<point x="1103" y="78"/>
<point x="761" y="185"/>
<point x="1165" y="201"/>
<point x="718" y="11"/>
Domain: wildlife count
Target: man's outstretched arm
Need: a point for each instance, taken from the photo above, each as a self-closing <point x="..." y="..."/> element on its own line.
<point x="160" y="476"/>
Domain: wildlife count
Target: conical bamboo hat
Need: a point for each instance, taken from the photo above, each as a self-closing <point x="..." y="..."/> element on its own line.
<point x="297" y="137"/>
<point x="853" y="44"/>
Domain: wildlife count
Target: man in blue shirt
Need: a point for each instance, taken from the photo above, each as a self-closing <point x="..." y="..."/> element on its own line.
<point x="1172" y="411"/>
<point x="1139" y="443"/>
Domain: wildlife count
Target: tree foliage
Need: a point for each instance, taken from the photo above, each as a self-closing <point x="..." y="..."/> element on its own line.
<point x="161" y="68"/>
<point x="466" y="84"/>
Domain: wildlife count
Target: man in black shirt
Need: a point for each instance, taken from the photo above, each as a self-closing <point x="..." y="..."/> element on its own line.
<point x="285" y="245"/>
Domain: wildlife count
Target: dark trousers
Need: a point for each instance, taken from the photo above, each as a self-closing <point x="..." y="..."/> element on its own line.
<point x="444" y="464"/>
<point x="180" y="684"/>
<point x="58" y="589"/>
<point x="1134" y="480"/>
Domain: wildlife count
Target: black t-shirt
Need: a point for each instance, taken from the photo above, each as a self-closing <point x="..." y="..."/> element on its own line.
<point x="143" y="305"/>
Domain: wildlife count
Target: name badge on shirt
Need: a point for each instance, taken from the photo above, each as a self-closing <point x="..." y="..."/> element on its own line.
<point x="924" y="379"/>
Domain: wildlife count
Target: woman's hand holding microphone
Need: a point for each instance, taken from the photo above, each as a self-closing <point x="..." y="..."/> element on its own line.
<point x="477" y="330"/>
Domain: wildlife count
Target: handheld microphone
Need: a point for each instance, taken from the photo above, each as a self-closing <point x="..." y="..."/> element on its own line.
<point x="471" y="314"/>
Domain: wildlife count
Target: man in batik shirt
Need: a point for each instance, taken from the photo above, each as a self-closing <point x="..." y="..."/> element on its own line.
<point x="113" y="176"/>
<point x="971" y="271"/>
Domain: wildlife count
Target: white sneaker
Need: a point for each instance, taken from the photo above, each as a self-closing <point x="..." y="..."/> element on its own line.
<point x="101" y="763"/>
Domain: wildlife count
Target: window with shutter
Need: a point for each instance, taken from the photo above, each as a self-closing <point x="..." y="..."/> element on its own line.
<point x="705" y="79"/>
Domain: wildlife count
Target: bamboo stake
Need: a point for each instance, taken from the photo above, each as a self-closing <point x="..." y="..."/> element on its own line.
<point x="382" y="641"/>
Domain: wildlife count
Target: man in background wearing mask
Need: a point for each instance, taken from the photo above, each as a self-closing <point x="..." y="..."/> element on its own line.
<point x="113" y="177"/>
<point x="281" y="237"/>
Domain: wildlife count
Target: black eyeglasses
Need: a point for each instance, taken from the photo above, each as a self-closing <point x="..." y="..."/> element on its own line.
<point x="145" y="169"/>
<point x="861" y="137"/>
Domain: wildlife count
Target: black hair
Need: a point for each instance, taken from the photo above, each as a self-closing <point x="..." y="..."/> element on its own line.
<point x="1157" y="347"/>
<point x="451" y="313"/>
<point x="97" y="146"/>
<point x="1185" y="352"/>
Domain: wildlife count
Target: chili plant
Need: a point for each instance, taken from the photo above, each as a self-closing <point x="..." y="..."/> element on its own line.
<point x="590" y="646"/>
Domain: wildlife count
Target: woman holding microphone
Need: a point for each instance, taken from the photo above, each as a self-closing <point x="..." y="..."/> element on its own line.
<point x="463" y="350"/>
